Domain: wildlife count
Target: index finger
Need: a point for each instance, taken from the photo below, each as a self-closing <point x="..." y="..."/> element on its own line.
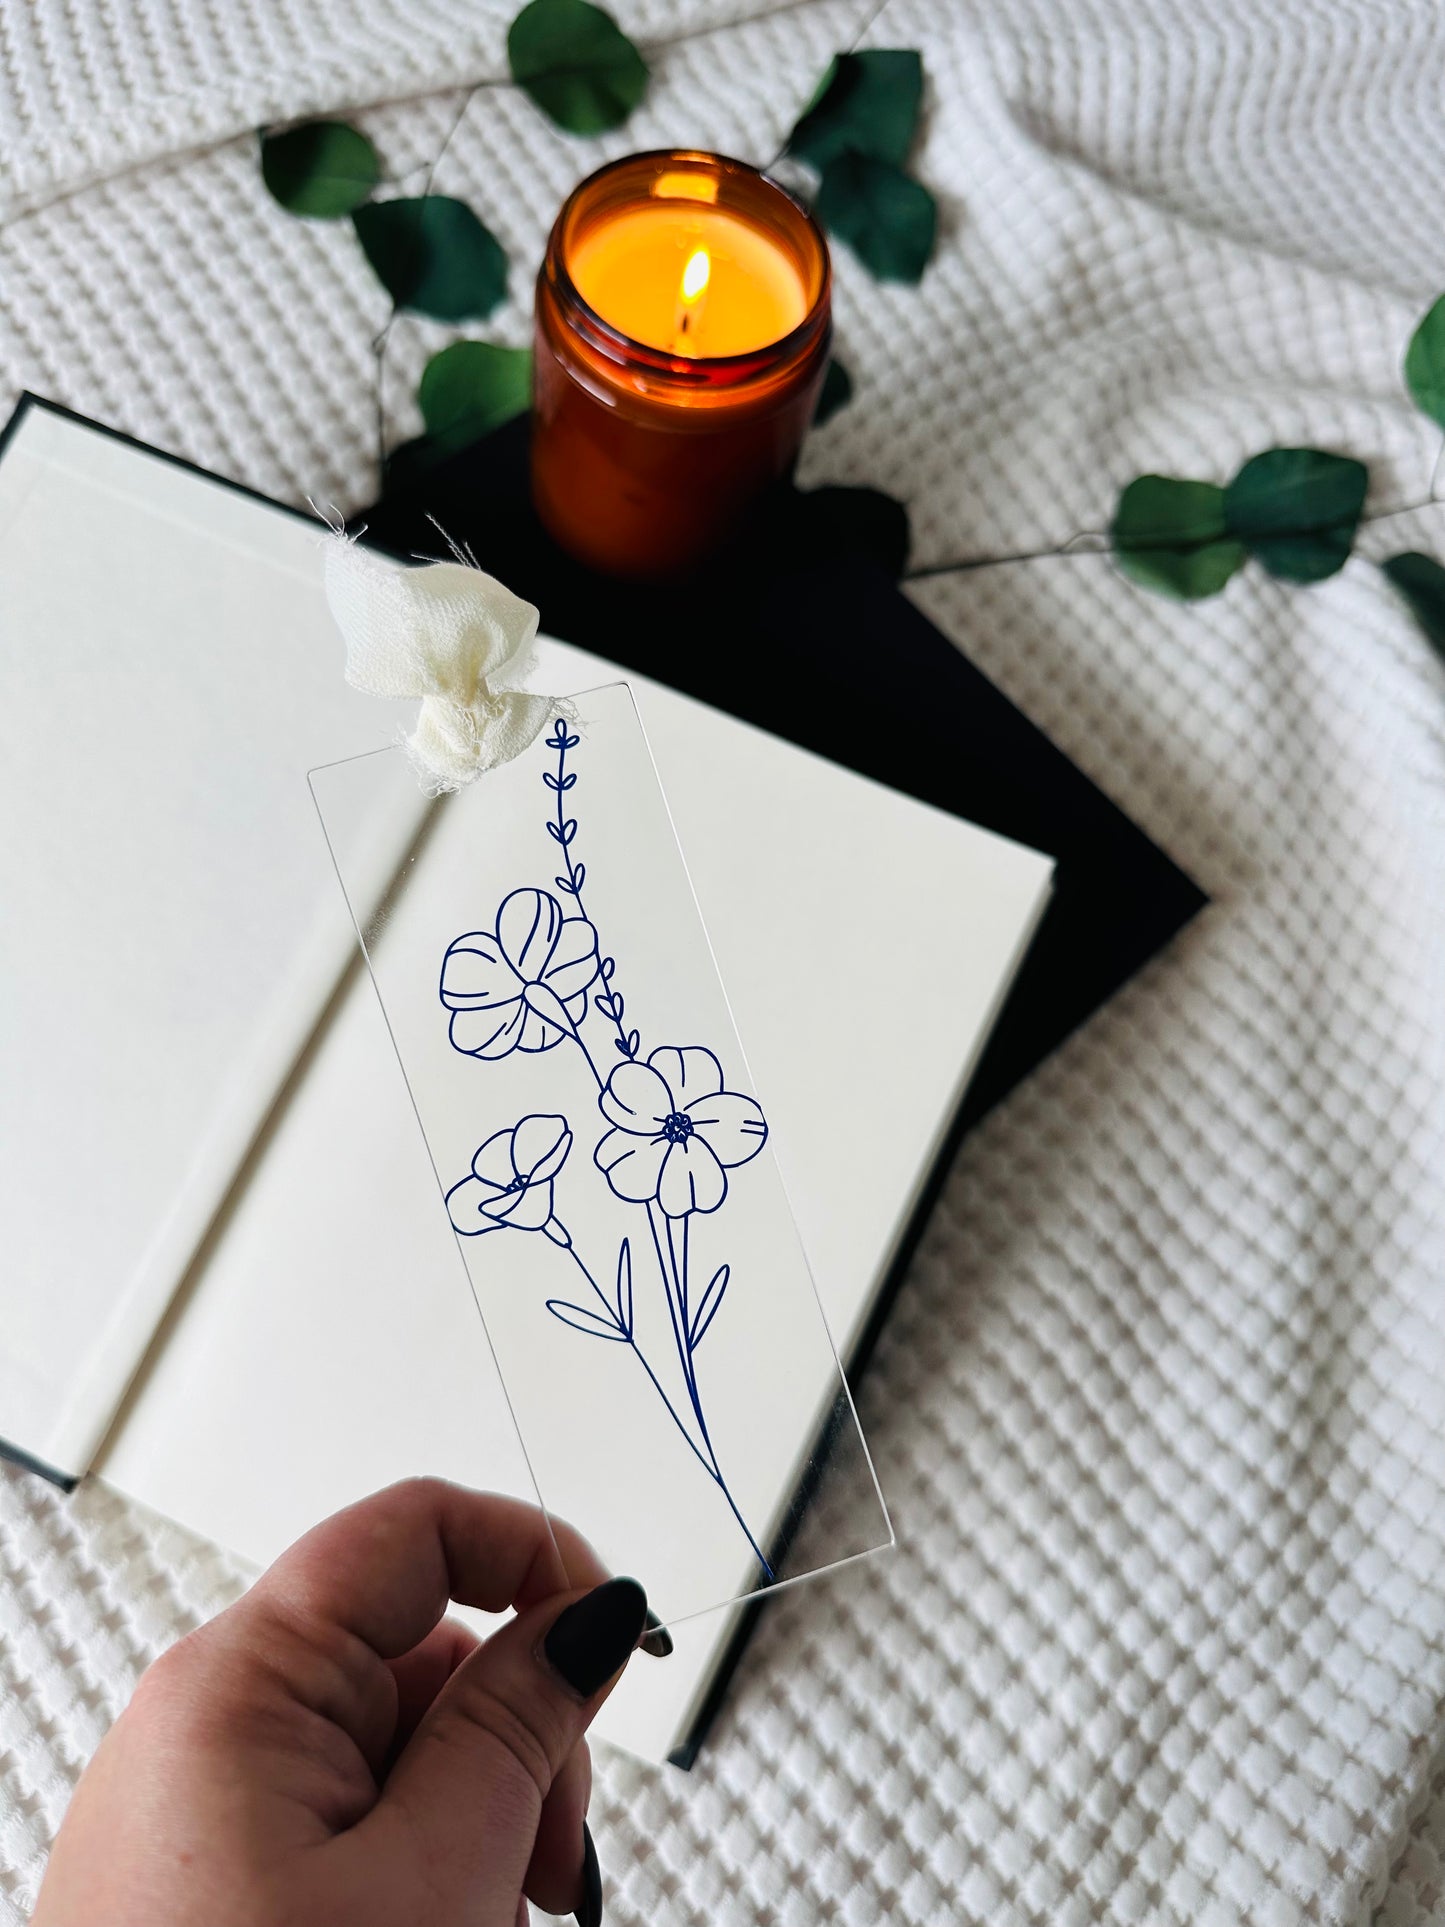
<point x="385" y="1568"/>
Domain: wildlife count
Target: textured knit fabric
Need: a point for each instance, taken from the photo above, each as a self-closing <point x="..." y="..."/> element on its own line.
<point x="1160" y="1410"/>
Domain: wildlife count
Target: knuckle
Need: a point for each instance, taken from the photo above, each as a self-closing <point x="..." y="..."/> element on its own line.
<point x="172" y="1694"/>
<point x="171" y="1678"/>
<point x="420" y="1485"/>
<point x="522" y="1737"/>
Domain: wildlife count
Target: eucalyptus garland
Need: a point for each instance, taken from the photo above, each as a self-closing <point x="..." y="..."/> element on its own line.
<point x="1293" y="511"/>
<point x="435" y="256"/>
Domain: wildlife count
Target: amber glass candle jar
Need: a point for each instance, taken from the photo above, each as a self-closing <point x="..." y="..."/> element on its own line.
<point x="683" y="327"/>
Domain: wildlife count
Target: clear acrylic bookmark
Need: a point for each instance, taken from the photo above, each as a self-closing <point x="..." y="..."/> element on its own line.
<point x="605" y="1161"/>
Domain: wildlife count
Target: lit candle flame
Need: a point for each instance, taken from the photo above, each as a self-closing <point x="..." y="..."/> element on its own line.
<point x="695" y="274"/>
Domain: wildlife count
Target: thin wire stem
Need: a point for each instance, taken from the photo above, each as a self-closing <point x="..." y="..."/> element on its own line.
<point x="378" y="349"/>
<point x="870" y="21"/>
<point x="1103" y="546"/>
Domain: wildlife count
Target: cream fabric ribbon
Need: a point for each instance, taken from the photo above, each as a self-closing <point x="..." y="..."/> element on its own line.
<point x="455" y="638"/>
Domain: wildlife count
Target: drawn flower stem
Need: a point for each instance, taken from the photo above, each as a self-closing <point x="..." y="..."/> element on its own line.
<point x="548" y="1005"/>
<point x="641" y="1356"/>
<point x="674" y="1285"/>
<point x="591" y="1065"/>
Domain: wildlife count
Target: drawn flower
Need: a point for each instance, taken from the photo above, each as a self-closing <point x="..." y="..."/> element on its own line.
<point x="676" y="1132"/>
<point x="511" y="1180"/>
<point x="524" y="987"/>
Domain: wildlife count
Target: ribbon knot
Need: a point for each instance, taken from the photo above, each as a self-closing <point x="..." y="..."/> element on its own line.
<point x="451" y="636"/>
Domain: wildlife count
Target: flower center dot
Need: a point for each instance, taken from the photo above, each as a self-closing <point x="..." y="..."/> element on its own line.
<point x="517" y="1184"/>
<point x="677" y="1127"/>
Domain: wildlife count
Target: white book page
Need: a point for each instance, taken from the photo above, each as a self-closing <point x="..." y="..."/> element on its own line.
<point x="167" y="673"/>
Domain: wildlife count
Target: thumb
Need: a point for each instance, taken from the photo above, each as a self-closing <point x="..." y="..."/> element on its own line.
<point x="465" y="1797"/>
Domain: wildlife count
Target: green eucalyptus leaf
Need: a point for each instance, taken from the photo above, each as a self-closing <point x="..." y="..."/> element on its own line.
<point x="1170" y="536"/>
<point x="434" y="256"/>
<point x="471" y="388"/>
<point x="1296" y="510"/>
<point x="1425" y="364"/>
<point x="836" y="393"/>
<point x="887" y="219"/>
<point x="465" y="392"/>
<point x="323" y="168"/>
<point x="1421" y="581"/>
<point x="577" y="64"/>
<point x="867" y="103"/>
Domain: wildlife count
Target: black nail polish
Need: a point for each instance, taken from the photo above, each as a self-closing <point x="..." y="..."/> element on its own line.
<point x="656" y="1639"/>
<point x="593" y="1637"/>
<point x="589" y="1914"/>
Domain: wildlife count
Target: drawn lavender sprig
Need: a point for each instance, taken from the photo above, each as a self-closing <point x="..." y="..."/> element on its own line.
<point x="563" y="831"/>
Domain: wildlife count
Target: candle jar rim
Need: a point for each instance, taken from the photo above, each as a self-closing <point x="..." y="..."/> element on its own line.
<point x="688" y="371"/>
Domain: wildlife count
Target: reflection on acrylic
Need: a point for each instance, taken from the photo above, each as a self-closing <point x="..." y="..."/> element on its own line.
<point x="674" y="1131"/>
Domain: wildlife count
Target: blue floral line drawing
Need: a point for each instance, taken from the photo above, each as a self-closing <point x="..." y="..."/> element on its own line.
<point x="675" y="1131"/>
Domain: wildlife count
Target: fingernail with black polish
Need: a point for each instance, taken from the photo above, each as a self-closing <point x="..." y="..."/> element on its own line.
<point x="589" y="1914"/>
<point x="656" y="1639"/>
<point x="592" y="1638"/>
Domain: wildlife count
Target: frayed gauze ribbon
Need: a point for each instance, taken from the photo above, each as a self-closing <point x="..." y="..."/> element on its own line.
<point x="453" y="637"/>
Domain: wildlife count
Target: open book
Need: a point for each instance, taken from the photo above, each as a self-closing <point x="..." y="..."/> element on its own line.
<point x="227" y="1281"/>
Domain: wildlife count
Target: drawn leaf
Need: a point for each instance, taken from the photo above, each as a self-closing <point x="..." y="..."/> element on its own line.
<point x="1425" y="364"/>
<point x="866" y="103"/>
<point x="836" y="393"/>
<point x="577" y="64"/>
<point x="564" y="883"/>
<point x="888" y="219"/>
<point x="550" y="780"/>
<point x="1296" y="510"/>
<point x="1420" y="580"/>
<point x="708" y="1305"/>
<point x="322" y="169"/>
<point x="624" y="1286"/>
<point x="579" y="877"/>
<point x="581" y="1319"/>
<point x="1170" y="536"/>
<point x="433" y="255"/>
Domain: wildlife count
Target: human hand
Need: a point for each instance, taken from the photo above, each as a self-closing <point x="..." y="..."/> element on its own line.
<point x="332" y="1752"/>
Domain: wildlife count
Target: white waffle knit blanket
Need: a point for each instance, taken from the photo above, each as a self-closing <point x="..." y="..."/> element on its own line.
<point x="1161" y="1412"/>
